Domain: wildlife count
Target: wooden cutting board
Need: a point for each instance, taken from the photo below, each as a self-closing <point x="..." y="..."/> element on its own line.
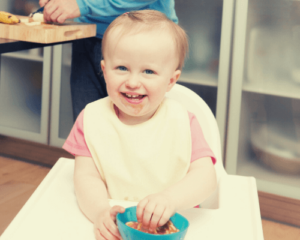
<point x="47" y="33"/>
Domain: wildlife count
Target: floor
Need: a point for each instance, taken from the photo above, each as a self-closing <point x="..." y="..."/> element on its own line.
<point x="19" y="179"/>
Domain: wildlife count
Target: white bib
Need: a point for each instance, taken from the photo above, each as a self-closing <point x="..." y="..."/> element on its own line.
<point x="137" y="160"/>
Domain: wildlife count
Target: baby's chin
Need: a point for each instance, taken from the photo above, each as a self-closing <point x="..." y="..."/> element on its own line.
<point x="131" y="109"/>
<point x="135" y="115"/>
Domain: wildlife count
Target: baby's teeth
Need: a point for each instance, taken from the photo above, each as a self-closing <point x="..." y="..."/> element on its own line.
<point x="128" y="95"/>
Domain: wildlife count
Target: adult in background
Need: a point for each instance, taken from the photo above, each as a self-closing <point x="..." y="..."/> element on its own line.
<point x="87" y="82"/>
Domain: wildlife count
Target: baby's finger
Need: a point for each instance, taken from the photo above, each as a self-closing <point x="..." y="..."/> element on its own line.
<point x="156" y="216"/>
<point x="140" y="209"/>
<point x="114" y="210"/>
<point x="112" y="228"/>
<point x="149" y="209"/>
<point x="165" y="217"/>
<point x="98" y="235"/>
<point x="106" y="234"/>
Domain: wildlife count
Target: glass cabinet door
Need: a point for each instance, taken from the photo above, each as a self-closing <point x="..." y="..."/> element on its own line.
<point x="264" y="112"/>
<point x="24" y="85"/>
<point x="208" y="25"/>
<point x="24" y="94"/>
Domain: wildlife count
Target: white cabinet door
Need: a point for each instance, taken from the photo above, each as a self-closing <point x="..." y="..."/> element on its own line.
<point x="24" y="94"/>
<point x="264" y="118"/>
<point x="25" y="86"/>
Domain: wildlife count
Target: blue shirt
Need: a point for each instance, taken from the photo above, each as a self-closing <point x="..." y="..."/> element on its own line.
<point x="103" y="12"/>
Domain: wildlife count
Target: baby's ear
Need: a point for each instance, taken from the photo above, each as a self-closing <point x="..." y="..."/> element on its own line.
<point x="174" y="79"/>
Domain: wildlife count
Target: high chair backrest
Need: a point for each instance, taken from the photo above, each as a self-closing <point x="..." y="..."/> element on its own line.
<point x="195" y="104"/>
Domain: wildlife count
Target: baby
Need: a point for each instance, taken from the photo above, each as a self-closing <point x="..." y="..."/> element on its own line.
<point x="136" y="144"/>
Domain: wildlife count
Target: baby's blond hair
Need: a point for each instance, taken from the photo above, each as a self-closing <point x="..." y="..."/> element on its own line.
<point x="150" y="20"/>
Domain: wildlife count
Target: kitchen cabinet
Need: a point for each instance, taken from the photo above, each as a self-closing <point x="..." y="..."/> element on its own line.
<point x="25" y="82"/>
<point x="24" y="94"/>
<point x="263" y="138"/>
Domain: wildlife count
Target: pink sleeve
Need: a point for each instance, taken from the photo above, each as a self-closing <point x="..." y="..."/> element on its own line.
<point x="200" y="147"/>
<point x="75" y="143"/>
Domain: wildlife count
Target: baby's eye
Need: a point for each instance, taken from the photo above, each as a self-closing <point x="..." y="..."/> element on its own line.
<point x="122" y="68"/>
<point x="148" y="71"/>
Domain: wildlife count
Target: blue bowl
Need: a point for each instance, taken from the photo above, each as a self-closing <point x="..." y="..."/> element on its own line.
<point x="129" y="233"/>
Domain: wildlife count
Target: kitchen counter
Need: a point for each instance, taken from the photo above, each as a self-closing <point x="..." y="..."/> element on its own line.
<point x="47" y="32"/>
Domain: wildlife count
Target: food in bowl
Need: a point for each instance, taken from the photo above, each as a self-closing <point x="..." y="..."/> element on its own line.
<point x="129" y="233"/>
<point x="167" y="228"/>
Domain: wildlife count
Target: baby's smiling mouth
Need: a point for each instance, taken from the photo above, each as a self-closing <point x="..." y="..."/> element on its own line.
<point x="131" y="96"/>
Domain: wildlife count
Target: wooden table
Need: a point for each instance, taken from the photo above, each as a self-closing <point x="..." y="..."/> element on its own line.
<point x="46" y="32"/>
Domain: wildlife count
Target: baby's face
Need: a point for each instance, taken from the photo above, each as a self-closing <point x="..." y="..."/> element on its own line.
<point x="139" y="69"/>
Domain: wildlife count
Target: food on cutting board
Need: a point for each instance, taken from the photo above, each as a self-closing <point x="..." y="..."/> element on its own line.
<point x="32" y="23"/>
<point x="35" y="19"/>
<point x="38" y="17"/>
<point x="168" y="228"/>
<point x="29" y="22"/>
<point x="8" y="18"/>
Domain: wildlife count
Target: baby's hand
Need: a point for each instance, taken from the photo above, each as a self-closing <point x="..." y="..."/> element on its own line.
<point x="154" y="211"/>
<point x="105" y="227"/>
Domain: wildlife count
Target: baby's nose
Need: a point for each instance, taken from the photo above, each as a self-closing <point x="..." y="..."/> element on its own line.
<point x="133" y="82"/>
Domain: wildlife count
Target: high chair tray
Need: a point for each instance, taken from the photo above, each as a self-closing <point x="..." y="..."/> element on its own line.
<point x="52" y="212"/>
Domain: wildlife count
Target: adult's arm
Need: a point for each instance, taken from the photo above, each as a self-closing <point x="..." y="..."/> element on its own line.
<point x="60" y="10"/>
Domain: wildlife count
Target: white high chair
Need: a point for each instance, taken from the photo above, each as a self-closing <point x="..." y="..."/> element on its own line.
<point x="232" y="212"/>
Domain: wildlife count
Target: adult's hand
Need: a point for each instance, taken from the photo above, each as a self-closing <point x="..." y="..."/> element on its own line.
<point x="59" y="10"/>
<point x="43" y="2"/>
